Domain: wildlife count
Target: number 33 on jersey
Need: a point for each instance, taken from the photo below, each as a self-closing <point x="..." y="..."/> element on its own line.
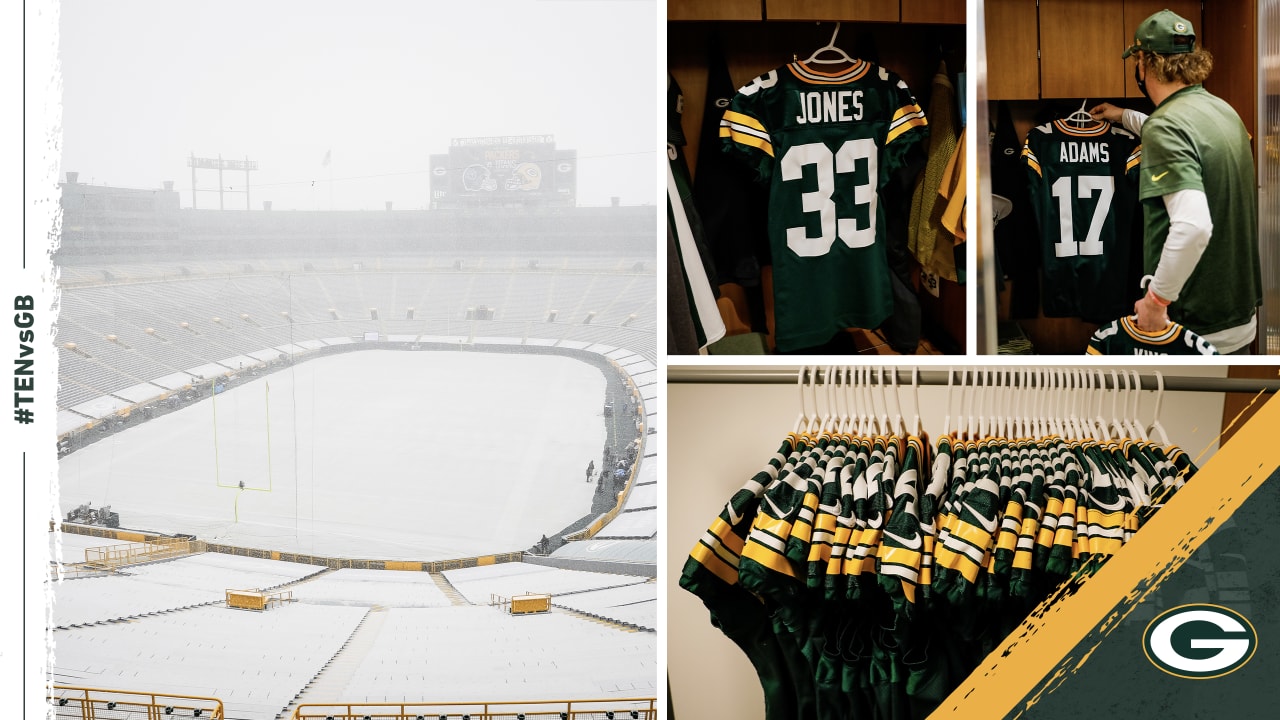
<point x="827" y="144"/>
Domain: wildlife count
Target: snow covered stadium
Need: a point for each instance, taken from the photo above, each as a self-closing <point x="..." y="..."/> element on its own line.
<point x="332" y="464"/>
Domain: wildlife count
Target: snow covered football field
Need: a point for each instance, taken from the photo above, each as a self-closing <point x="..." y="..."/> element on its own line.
<point x="376" y="454"/>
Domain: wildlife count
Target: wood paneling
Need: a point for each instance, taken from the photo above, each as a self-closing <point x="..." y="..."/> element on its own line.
<point x="1078" y="55"/>
<point x="933" y="11"/>
<point x="1013" y="71"/>
<point x="869" y="10"/>
<point x="715" y="10"/>
<point x="1135" y="11"/>
<point x="1231" y="33"/>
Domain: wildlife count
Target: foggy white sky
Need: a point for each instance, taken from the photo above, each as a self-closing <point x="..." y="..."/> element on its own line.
<point x="382" y="84"/>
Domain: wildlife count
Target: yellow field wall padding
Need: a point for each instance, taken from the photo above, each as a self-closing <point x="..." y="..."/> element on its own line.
<point x="246" y="600"/>
<point x="404" y="565"/>
<point x="131" y="536"/>
<point x="521" y="604"/>
<point x="486" y="560"/>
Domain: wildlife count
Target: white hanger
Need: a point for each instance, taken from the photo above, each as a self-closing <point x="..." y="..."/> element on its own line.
<point x="831" y="46"/>
<point x="899" y="423"/>
<point x="842" y="425"/>
<point x="1000" y="429"/>
<point x="829" y="417"/>
<point x="1139" y="432"/>
<point x="1117" y="425"/>
<point x="974" y="399"/>
<point x="915" y="400"/>
<point x="1156" y="427"/>
<point x="1100" y="422"/>
<point x="882" y="419"/>
<point x="860" y="416"/>
<point x="946" y="422"/>
<point x="820" y="418"/>
<point x="1090" y="427"/>
<point x="984" y="412"/>
<point x="1042" y="404"/>
<point x="800" y="386"/>
<point x="1080" y="117"/>
<point x="1055" y="390"/>
<point x="1073" y="396"/>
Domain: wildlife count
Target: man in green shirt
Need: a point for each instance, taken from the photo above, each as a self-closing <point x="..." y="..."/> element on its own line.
<point x="1198" y="192"/>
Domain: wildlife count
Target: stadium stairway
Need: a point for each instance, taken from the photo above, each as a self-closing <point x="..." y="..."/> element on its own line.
<point x="448" y="589"/>
<point x="331" y="682"/>
<point x="601" y="620"/>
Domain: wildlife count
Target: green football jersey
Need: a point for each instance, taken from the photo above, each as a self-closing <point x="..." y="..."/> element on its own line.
<point x="1122" y="337"/>
<point x="1083" y="185"/>
<point x="826" y="144"/>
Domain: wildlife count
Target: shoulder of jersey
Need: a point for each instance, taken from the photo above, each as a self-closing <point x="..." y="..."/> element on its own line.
<point x="1045" y="129"/>
<point x="1122" y="132"/>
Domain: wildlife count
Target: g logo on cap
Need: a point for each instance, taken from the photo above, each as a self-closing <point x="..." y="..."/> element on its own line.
<point x="1179" y="641"/>
<point x="1180" y="27"/>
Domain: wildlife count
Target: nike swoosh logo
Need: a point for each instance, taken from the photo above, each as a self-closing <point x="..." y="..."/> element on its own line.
<point x="914" y="543"/>
<point x="1156" y="178"/>
<point x="987" y="524"/>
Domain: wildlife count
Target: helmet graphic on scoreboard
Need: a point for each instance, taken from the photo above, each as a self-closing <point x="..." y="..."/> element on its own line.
<point x="476" y="178"/>
<point x="525" y="176"/>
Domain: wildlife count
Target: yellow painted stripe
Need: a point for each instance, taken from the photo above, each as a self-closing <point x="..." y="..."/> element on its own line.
<point x="768" y="558"/>
<point x="780" y="529"/>
<point x="972" y="534"/>
<point x="708" y="560"/>
<point x="724" y="531"/>
<point x="913" y="123"/>
<point x="751" y="141"/>
<point x="744" y="120"/>
<point x="900" y="556"/>
<point x="1037" y="657"/>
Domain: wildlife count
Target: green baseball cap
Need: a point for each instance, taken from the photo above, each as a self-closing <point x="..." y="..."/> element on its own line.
<point x="1166" y="33"/>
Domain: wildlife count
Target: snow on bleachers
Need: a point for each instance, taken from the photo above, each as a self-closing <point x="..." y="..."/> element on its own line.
<point x="144" y="589"/>
<point x="634" y="604"/>
<point x="255" y="662"/>
<point x="506" y="579"/>
<point x="466" y="653"/>
<point x="638" y="524"/>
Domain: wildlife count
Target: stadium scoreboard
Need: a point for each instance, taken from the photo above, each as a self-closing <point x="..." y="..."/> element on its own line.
<point x="504" y="170"/>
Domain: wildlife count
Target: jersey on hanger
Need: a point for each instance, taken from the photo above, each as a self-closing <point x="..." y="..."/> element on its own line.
<point x="826" y="144"/>
<point x="692" y="313"/>
<point x="1122" y="337"/>
<point x="1084" y="185"/>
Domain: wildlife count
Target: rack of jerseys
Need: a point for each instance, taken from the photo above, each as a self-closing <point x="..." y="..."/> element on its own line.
<point x="867" y="576"/>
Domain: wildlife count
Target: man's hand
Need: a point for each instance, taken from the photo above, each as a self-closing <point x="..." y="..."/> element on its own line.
<point x="1151" y="316"/>
<point x="1108" y="112"/>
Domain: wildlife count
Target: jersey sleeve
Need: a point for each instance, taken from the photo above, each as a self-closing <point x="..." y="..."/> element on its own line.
<point x="744" y="130"/>
<point x="1100" y="343"/>
<point x="908" y="128"/>
<point x="1037" y="188"/>
<point x="1169" y="161"/>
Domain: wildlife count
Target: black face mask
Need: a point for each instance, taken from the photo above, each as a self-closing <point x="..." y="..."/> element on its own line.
<point x="1142" y="84"/>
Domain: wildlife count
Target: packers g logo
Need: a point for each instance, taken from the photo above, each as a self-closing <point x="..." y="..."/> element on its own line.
<point x="1199" y="641"/>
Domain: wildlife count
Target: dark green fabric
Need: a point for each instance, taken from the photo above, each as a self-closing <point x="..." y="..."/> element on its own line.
<point x="1196" y="141"/>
